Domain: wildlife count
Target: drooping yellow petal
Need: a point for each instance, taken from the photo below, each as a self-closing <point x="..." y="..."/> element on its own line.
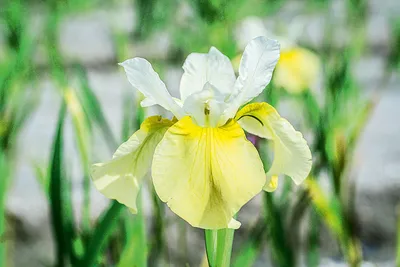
<point x="206" y="175"/>
<point x="292" y="155"/>
<point x="297" y="70"/>
<point x="120" y="178"/>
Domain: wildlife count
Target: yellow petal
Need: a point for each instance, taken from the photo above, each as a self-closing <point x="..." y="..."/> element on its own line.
<point x="297" y="69"/>
<point x="120" y="178"/>
<point x="292" y="155"/>
<point x="206" y="175"/>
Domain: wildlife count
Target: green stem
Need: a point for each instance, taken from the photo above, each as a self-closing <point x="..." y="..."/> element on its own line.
<point x="398" y="239"/>
<point x="219" y="247"/>
<point x="4" y="182"/>
<point x="3" y="237"/>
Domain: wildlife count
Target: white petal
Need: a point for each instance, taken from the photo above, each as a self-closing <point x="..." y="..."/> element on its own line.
<point x="147" y="102"/>
<point x="178" y="101"/>
<point x="206" y="106"/>
<point x="255" y="72"/>
<point x="143" y="77"/>
<point x="213" y="67"/>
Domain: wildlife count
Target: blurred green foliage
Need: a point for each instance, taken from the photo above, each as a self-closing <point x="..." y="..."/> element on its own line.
<point x="117" y="238"/>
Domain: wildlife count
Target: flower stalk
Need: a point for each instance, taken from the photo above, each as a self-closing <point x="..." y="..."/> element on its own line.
<point x="219" y="247"/>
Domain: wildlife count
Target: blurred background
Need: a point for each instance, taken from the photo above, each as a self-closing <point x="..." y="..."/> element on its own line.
<point x="65" y="104"/>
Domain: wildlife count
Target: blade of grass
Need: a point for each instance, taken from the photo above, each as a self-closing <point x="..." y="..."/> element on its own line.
<point x="55" y="189"/>
<point x="248" y="255"/>
<point x="16" y="101"/>
<point x="313" y="240"/>
<point x="398" y="238"/>
<point x="282" y="252"/>
<point x="82" y="139"/>
<point x="74" y="106"/>
<point x="157" y="248"/>
<point x="130" y="121"/>
<point x="4" y="182"/>
<point x="93" y="109"/>
<point x="135" y="250"/>
<point x="60" y="202"/>
<point x="331" y="213"/>
<point x="102" y="233"/>
<point x="250" y="250"/>
<point x="42" y="176"/>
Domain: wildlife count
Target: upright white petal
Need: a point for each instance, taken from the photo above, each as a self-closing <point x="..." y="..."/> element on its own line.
<point x="143" y="77"/>
<point x="213" y="67"/>
<point x="255" y="72"/>
<point x="258" y="62"/>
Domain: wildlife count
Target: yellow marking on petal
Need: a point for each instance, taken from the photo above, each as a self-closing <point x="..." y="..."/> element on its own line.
<point x="272" y="185"/>
<point x="297" y="69"/>
<point x="206" y="175"/>
<point x="292" y="155"/>
<point x="121" y="177"/>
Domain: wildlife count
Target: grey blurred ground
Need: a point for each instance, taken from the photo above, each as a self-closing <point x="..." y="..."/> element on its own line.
<point x="88" y="39"/>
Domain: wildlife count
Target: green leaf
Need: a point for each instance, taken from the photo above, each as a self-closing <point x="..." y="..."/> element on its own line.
<point x="131" y="120"/>
<point x="248" y="255"/>
<point x="102" y="233"/>
<point x="282" y="251"/>
<point x="92" y="108"/>
<point x="251" y="248"/>
<point x="135" y="251"/>
<point x="60" y="198"/>
<point x="332" y="213"/>
<point x="398" y="239"/>
<point x="42" y="176"/>
<point x="313" y="254"/>
<point x="4" y="184"/>
<point x="82" y="139"/>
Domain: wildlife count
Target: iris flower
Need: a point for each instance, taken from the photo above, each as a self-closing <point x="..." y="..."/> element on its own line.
<point x="297" y="70"/>
<point x="201" y="163"/>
